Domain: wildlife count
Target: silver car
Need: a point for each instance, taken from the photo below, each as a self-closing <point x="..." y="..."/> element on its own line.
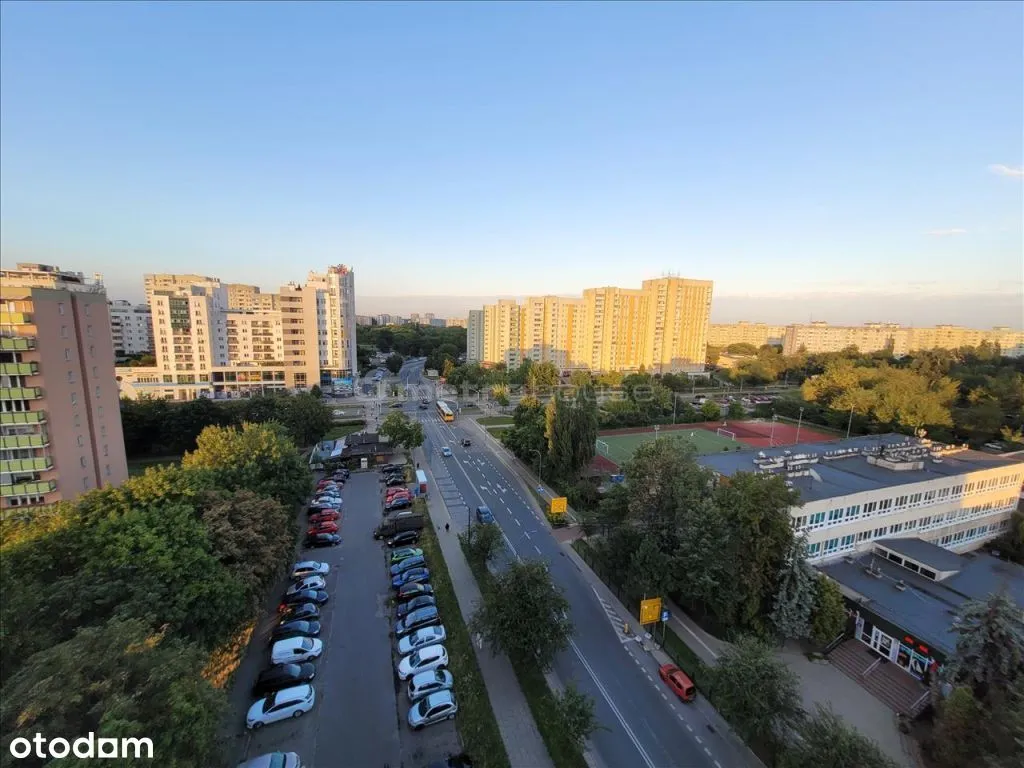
<point x="426" y="683"/>
<point x="422" y="638"/>
<point x="274" y="760"/>
<point x="433" y="709"/>
<point x="307" y="568"/>
<point x="310" y="582"/>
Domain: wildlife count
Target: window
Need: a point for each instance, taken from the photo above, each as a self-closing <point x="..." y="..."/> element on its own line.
<point x="94" y="369"/>
<point x="67" y="354"/>
<point x="915" y="499"/>
<point x="78" y="421"/>
<point x="831" y="546"/>
<point x="101" y="411"/>
<point x="957" y="490"/>
<point x="901" y="502"/>
<point x="105" y="451"/>
<point x="71" y="377"/>
<point x="869" y="508"/>
<point x="816" y="520"/>
<point x="85" y="483"/>
<point x="81" y="460"/>
<point x="74" y="398"/>
<point x="97" y="390"/>
<point x="846" y="543"/>
<point x="88" y="309"/>
<point x="60" y="307"/>
<point x="80" y="440"/>
<point x="835" y="516"/>
<point x="88" y="331"/>
<point x="879" y="533"/>
<point x="943" y="494"/>
<point x="798" y="522"/>
<point x="895" y="528"/>
<point x="103" y="430"/>
<point x="884" y="506"/>
<point x="107" y="470"/>
<point x="863" y="535"/>
<point x="852" y="513"/>
<point x="63" y="331"/>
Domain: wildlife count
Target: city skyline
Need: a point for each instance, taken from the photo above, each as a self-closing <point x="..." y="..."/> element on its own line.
<point x="866" y="161"/>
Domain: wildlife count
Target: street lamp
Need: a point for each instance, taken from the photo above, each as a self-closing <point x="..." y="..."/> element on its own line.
<point x="849" y="424"/>
<point x="540" y="463"/>
<point x="799" y="423"/>
<point x="771" y="437"/>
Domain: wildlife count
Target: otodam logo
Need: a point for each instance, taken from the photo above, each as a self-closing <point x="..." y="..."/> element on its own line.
<point x="88" y="746"/>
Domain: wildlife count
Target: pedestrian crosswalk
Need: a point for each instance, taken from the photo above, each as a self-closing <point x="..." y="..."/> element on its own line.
<point x="617" y="622"/>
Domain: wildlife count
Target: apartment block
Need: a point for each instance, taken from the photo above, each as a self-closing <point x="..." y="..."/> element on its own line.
<point x="502" y="334"/>
<point x="131" y="328"/>
<point x="676" y="312"/>
<point x="302" y="336"/>
<point x="168" y="282"/>
<point x="475" y="336"/>
<point x="821" y="337"/>
<point x="60" y="419"/>
<point x="550" y="330"/>
<point x="456" y="322"/>
<point x="744" y="332"/>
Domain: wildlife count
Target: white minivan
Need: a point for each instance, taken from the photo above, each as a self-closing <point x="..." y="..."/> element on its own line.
<point x="295" y="650"/>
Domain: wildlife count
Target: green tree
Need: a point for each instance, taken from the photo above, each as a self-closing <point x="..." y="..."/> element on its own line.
<point x="306" y="418"/>
<point x="761" y="713"/>
<point x="648" y="570"/>
<point x="712" y="355"/>
<point x="829" y="616"/>
<point x="742" y="348"/>
<point x="385" y="339"/>
<point x="316" y="392"/>
<point x="989" y="654"/>
<point x="542" y="376"/>
<point x="735" y="412"/>
<point x="958" y="740"/>
<point x="580" y="378"/>
<point x="481" y="543"/>
<point x="795" y="597"/>
<point x="825" y="740"/>
<point x="394" y="363"/>
<point x="575" y="712"/>
<point x="401" y="431"/>
<point x="525" y="615"/>
<point x="711" y="411"/>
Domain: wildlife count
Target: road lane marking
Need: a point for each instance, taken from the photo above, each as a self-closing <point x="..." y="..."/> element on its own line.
<point x="517" y="522"/>
<point x="709" y="753"/>
<point x="718" y="764"/>
<point x="527" y="535"/>
<point x="689" y="728"/>
<point x="538" y="549"/>
<point x="698" y="739"/>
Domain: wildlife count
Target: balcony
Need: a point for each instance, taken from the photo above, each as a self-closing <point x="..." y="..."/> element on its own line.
<point x="17" y="343"/>
<point x="8" y="442"/>
<point x="15" y="318"/>
<point x="20" y="393"/>
<point x="26" y="465"/>
<point x="37" y="488"/>
<point x="19" y="369"/>
<point x="23" y="417"/>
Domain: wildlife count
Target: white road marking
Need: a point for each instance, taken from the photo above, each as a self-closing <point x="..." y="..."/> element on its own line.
<point x="698" y="739"/>
<point x="537" y="548"/>
<point x="517" y="522"/>
<point x="527" y="535"/>
<point x="664" y="697"/>
<point x="718" y="764"/>
<point x="708" y="752"/>
<point x="689" y="728"/>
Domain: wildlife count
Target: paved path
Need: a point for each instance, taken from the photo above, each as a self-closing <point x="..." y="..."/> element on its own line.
<point x="515" y="721"/>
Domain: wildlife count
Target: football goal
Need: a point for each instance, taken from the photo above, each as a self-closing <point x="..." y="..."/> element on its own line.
<point x="726" y="433"/>
<point x="602" y="448"/>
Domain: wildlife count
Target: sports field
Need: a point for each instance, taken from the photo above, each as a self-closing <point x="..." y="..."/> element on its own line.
<point x="617" y="448"/>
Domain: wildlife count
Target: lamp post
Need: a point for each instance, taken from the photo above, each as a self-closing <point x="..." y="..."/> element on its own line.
<point x="799" y="423"/>
<point x="849" y="424"/>
<point x="540" y="463"/>
<point x="771" y="436"/>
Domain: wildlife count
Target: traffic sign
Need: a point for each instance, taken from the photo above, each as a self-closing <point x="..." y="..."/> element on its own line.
<point x="558" y="505"/>
<point x="650" y="610"/>
<point x="665" y="615"/>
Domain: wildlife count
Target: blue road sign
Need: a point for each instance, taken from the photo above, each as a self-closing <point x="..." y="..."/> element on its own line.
<point x="665" y="616"/>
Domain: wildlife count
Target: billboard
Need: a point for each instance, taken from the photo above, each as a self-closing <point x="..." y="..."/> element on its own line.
<point x="650" y="610"/>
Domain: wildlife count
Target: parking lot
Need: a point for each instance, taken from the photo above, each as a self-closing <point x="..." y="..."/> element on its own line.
<point x="359" y="718"/>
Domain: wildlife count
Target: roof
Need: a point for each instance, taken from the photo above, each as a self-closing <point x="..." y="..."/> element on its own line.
<point x="923" y="552"/>
<point x="927" y="609"/>
<point x="851" y="472"/>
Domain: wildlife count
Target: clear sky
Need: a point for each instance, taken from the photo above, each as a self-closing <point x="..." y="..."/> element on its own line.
<point x="789" y="152"/>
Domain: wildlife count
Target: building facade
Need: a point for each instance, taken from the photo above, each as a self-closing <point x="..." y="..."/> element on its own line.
<point x="475" y="336"/>
<point x="456" y="322"/>
<point x="744" y="332"/>
<point x="60" y="418"/>
<point x="131" y="328"/>
<point x="901" y="340"/>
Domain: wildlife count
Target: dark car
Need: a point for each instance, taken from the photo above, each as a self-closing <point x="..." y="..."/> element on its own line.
<point x="283" y="676"/>
<point x="301" y="612"/>
<point x="341" y="474"/>
<point x="414" y="574"/>
<point x="466" y="442"/>
<point x="402" y="502"/>
<point x="394" y="480"/>
<point x="412" y="590"/>
<point x="317" y="596"/>
<point x="410" y="562"/>
<point x="424" y="617"/>
<point x="287" y="629"/>
<point x="390" y="467"/>
<point x="323" y="540"/>
<point x="414" y="604"/>
<point x="423" y="407"/>
<point x="404" y="539"/>
<point x="484" y="515"/>
<point x="396" y="405"/>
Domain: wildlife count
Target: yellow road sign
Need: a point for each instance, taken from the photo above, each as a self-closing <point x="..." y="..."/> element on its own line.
<point x="558" y="505"/>
<point x="650" y="610"/>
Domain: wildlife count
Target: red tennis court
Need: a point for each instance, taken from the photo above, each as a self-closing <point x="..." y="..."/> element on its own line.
<point x="760" y="434"/>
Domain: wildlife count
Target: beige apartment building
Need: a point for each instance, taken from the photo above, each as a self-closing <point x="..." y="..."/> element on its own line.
<point x="228" y="340"/>
<point x="744" y="332"/>
<point x="131" y="327"/>
<point x="60" y="418"/>
<point x="475" y="336"/>
<point x="661" y="326"/>
<point x="820" y="337"/>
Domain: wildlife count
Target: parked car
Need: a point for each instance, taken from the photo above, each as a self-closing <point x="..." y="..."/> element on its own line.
<point x="421" y="638"/>
<point x="390" y="467"/>
<point x="416" y="574"/>
<point x="324" y="517"/>
<point x="677" y="680"/>
<point x="424" y="402"/>
<point x="274" y="760"/>
<point x="402" y="502"/>
<point x="282" y="676"/>
<point x="423" y="660"/>
<point x="324" y="526"/>
<point x="466" y="442"/>
<point x="413" y="589"/>
<point x="301" y="612"/>
<point x="403" y="539"/>
<point x="424" y="617"/>
<point x="281" y="705"/>
<point x="484" y="515"/>
<point x="317" y="596"/>
<point x="341" y="474"/>
<point x="426" y="683"/>
<point x="323" y="540"/>
<point x="432" y="709"/>
<point x="306" y="568"/>
<point x="422" y="407"/>
<point x="295" y="629"/>
<point x="408" y="563"/>
<point x="394" y="480"/>
<point x="295" y="649"/>
<point x="411" y="605"/>
<point x="329" y="504"/>
<point x="310" y="582"/>
<point x="398" y="555"/>
<point x="396" y="492"/>
<point x="446" y="451"/>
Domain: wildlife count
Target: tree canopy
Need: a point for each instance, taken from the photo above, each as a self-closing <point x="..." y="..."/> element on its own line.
<point x="401" y="430"/>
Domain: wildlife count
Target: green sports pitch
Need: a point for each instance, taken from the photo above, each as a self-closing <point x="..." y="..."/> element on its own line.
<point x="618" y="448"/>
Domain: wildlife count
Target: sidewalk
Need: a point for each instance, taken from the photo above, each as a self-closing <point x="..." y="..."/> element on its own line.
<point x="515" y="721"/>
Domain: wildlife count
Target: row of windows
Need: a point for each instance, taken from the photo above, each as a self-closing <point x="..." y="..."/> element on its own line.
<point x="962" y="537"/>
<point x="845" y="543"/>
<point x="61" y="309"/>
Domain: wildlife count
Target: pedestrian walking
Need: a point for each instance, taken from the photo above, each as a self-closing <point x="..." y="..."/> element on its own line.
<point x="446" y="527"/>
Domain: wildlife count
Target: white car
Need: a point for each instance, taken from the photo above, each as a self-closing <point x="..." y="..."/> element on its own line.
<point x="421" y="638"/>
<point x="426" y="683"/>
<point x="274" y="760"/>
<point x="423" y="660"/>
<point x="310" y="568"/>
<point x="281" y="705"/>
<point x="310" y="582"/>
<point x="433" y="709"/>
<point x="295" y="650"/>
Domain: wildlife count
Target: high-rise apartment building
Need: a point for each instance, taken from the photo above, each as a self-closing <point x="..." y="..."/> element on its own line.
<point x="456" y="322"/>
<point x="901" y="340"/>
<point x="475" y="336"/>
<point x="131" y="328"/>
<point x="744" y="332"/>
<point x="167" y="282"/>
<point x="60" y="418"/>
<point x="205" y="347"/>
<point x="661" y="326"/>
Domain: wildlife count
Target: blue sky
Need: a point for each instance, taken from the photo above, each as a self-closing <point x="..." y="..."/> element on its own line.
<point x="790" y="152"/>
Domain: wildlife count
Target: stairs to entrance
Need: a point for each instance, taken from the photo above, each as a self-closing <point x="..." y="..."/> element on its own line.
<point x="898" y="690"/>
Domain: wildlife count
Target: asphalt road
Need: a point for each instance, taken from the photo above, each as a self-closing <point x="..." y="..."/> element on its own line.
<point x="645" y="725"/>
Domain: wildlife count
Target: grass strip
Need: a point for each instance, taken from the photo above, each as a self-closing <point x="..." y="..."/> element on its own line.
<point x="139" y="466"/>
<point x="491" y="421"/>
<point x="343" y="430"/>
<point x="497" y="432"/>
<point x="476" y="722"/>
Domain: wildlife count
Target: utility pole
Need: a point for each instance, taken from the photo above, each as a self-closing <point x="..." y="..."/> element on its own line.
<point x="849" y="424"/>
<point x="771" y="437"/>
<point x="799" y="423"/>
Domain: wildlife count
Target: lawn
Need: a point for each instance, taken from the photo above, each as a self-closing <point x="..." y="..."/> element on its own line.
<point x="497" y="432"/>
<point x="343" y="430"/>
<point x="139" y="466"/>
<point x="621" y="447"/>
<point x="490" y="421"/>
<point x="476" y="722"/>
